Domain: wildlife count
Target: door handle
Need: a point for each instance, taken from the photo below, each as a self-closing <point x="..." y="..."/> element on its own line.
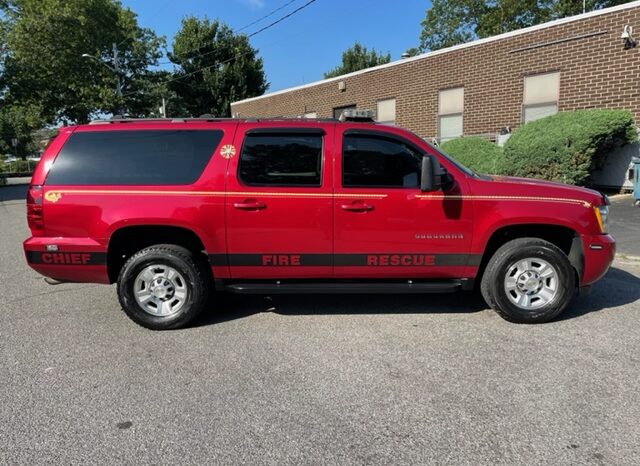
<point x="249" y="204"/>
<point x="357" y="207"/>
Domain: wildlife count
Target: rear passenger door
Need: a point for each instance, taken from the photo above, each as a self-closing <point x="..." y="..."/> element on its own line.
<point x="279" y="202"/>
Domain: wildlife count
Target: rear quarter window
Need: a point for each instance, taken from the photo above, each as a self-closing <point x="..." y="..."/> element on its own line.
<point x="155" y="157"/>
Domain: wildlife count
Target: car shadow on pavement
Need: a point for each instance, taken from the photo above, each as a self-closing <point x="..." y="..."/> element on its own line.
<point x="230" y="307"/>
<point x="617" y="288"/>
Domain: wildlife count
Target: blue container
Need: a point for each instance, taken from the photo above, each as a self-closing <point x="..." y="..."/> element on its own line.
<point x="636" y="182"/>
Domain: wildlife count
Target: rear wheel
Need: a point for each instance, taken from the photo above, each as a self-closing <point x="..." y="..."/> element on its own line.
<point x="528" y="280"/>
<point x="163" y="287"/>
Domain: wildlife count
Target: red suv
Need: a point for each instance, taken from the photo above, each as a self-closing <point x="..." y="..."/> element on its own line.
<point x="175" y="210"/>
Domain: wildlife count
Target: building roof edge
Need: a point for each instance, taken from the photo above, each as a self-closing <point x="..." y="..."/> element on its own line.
<point x="486" y="40"/>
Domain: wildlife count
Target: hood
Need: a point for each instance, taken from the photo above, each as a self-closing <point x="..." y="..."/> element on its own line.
<point x="543" y="188"/>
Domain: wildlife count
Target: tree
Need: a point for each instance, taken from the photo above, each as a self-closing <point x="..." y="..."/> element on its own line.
<point x="452" y="22"/>
<point x="357" y="58"/>
<point x="214" y="67"/>
<point x="564" y="8"/>
<point x="44" y="66"/>
<point x="448" y="23"/>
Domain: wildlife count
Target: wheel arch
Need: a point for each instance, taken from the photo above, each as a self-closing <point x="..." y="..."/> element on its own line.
<point x="565" y="238"/>
<point x="127" y="240"/>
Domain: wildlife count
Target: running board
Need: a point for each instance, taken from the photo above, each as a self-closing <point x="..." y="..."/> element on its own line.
<point x="346" y="288"/>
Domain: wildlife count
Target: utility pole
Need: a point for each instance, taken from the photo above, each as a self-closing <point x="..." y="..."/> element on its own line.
<point x="584" y="6"/>
<point x="163" y="109"/>
<point x="116" y="69"/>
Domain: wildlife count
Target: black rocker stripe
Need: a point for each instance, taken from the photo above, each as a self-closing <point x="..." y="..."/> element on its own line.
<point x="342" y="260"/>
<point x="66" y="258"/>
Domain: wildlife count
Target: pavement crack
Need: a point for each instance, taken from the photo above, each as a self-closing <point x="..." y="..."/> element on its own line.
<point x="50" y="293"/>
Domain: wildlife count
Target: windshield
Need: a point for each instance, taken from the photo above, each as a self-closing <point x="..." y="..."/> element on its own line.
<point x="458" y="165"/>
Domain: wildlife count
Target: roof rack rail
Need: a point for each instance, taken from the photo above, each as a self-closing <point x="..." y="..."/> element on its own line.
<point x="360" y="116"/>
<point x="259" y="119"/>
<point x="161" y="120"/>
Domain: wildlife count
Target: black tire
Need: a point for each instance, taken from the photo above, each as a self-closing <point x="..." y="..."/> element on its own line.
<point x="196" y="282"/>
<point x="493" y="289"/>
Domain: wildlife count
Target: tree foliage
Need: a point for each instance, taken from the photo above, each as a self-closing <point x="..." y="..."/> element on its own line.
<point x="46" y="40"/>
<point x="214" y="67"/>
<point x="452" y="22"/>
<point x="44" y="78"/>
<point x="357" y="58"/>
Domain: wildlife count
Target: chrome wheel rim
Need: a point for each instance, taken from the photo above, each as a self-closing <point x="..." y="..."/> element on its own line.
<point x="160" y="290"/>
<point x="531" y="283"/>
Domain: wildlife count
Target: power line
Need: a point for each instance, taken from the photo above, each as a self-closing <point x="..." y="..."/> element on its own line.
<point x="266" y="16"/>
<point x="215" y="49"/>
<point x="282" y="19"/>
<point x="224" y="62"/>
<point x="239" y="55"/>
<point x="245" y="27"/>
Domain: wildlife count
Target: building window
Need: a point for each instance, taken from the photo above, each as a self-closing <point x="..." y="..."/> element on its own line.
<point x="541" y="95"/>
<point x="386" y="113"/>
<point x="337" y="111"/>
<point x="450" y="113"/>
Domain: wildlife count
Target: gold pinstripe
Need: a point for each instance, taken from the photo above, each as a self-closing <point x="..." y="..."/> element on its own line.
<point x="508" y="198"/>
<point x="55" y="195"/>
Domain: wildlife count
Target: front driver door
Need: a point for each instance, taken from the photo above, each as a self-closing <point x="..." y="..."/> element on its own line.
<point x="385" y="227"/>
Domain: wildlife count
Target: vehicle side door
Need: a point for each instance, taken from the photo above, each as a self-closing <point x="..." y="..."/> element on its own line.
<point x="279" y="202"/>
<point x="384" y="225"/>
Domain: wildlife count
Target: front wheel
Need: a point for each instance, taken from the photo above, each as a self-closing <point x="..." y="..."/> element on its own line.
<point x="163" y="287"/>
<point x="528" y="280"/>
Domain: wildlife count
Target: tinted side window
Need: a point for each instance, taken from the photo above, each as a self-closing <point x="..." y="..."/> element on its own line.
<point x="379" y="162"/>
<point x="161" y="157"/>
<point x="281" y="160"/>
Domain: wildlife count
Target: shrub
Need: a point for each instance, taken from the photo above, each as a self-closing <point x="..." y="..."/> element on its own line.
<point x="17" y="166"/>
<point x="476" y="153"/>
<point x="568" y="146"/>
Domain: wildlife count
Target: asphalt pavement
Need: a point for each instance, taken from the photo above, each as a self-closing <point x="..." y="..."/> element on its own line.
<point x="435" y="379"/>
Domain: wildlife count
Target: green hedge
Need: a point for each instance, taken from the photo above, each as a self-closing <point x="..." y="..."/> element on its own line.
<point x="476" y="153"/>
<point x="568" y="146"/>
<point x="17" y="166"/>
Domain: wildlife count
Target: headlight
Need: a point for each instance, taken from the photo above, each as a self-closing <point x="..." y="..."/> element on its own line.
<point x="602" y="214"/>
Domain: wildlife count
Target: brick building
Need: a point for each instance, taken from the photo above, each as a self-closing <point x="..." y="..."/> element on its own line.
<point x="482" y="86"/>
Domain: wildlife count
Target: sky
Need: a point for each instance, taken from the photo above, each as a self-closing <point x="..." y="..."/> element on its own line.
<point x="301" y="48"/>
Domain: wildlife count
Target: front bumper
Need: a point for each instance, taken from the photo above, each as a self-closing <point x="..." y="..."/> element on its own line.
<point x="599" y="252"/>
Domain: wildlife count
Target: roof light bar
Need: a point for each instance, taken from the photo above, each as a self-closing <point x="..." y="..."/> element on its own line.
<point x="353" y="114"/>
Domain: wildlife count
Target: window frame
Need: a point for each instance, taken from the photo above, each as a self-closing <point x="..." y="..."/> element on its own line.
<point x="526" y="106"/>
<point x="379" y="135"/>
<point x="449" y="115"/>
<point x="319" y="132"/>
<point x="456" y="114"/>
<point x="395" y="111"/>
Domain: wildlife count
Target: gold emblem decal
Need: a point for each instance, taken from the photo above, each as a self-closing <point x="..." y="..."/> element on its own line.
<point x="52" y="196"/>
<point x="228" y="151"/>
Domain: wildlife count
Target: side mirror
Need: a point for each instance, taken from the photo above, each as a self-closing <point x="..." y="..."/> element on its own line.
<point x="428" y="176"/>
<point x="434" y="176"/>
